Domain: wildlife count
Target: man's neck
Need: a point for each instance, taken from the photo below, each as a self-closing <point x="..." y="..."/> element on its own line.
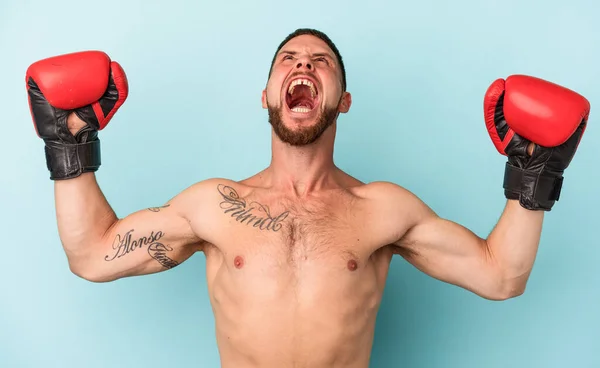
<point x="304" y="169"/>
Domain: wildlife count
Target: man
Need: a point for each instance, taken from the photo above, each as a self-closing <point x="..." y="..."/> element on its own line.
<point x="297" y="255"/>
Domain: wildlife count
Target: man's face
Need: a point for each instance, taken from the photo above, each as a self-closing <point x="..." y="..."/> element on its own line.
<point x="304" y="93"/>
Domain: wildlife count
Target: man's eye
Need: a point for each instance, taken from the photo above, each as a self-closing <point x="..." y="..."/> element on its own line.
<point x="287" y="57"/>
<point x="322" y="59"/>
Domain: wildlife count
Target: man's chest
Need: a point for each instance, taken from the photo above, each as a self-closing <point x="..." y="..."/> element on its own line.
<point x="267" y="248"/>
<point x="331" y="229"/>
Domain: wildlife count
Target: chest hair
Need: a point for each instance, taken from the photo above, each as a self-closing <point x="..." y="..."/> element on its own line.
<point x="316" y="229"/>
<point x="302" y="229"/>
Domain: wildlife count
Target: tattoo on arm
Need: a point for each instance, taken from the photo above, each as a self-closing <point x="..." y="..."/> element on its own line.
<point x="253" y="213"/>
<point x="158" y="252"/>
<point x="157" y="209"/>
<point x="123" y="245"/>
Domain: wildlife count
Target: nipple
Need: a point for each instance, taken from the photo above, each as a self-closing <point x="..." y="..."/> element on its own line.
<point x="238" y="262"/>
<point x="352" y="265"/>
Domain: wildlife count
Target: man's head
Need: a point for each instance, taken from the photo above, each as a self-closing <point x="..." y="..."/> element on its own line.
<point x="306" y="89"/>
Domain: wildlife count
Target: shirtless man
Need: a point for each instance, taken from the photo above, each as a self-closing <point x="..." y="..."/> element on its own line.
<point x="297" y="255"/>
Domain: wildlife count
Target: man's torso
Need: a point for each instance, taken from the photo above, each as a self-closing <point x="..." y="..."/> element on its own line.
<point x="293" y="280"/>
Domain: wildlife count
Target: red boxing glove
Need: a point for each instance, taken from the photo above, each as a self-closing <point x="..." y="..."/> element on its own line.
<point x="85" y="83"/>
<point x="524" y="110"/>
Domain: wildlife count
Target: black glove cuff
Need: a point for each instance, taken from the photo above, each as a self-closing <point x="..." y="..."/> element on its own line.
<point x="67" y="161"/>
<point x="534" y="190"/>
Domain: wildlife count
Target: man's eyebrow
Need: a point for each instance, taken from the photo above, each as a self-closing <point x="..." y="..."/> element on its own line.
<point x="290" y="52"/>
<point x="323" y="54"/>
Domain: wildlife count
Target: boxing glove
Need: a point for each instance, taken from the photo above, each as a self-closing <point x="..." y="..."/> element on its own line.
<point x="524" y="111"/>
<point x="86" y="83"/>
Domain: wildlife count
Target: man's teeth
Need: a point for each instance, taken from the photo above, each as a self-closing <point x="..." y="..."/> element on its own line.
<point x="301" y="109"/>
<point x="313" y="91"/>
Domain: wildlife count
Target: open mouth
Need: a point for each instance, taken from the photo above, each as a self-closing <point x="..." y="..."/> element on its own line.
<point x="302" y="95"/>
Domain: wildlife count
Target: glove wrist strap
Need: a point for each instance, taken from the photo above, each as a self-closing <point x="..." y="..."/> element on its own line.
<point x="534" y="190"/>
<point x="67" y="161"/>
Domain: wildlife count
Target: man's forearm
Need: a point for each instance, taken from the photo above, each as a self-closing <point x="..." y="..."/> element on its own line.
<point x="83" y="214"/>
<point x="514" y="243"/>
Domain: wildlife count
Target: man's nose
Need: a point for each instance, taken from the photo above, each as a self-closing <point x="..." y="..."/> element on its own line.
<point x="304" y="63"/>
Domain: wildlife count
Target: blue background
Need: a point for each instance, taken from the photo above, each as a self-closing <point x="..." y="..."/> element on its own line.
<point x="417" y="71"/>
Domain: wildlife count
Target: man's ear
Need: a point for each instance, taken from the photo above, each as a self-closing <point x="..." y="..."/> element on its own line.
<point x="264" y="99"/>
<point x="345" y="103"/>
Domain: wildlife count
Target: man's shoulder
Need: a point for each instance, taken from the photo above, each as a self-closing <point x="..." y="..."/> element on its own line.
<point x="204" y="185"/>
<point x="393" y="199"/>
<point x="202" y="197"/>
<point x="385" y="190"/>
<point x="389" y="210"/>
<point x="210" y="187"/>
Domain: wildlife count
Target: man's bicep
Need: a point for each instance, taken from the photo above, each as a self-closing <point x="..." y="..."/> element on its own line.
<point x="449" y="252"/>
<point x="147" y="241"/>
<point x="436" y="235"/>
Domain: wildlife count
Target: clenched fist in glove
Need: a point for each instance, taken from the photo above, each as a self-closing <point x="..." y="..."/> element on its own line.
<point x="87" y="84"/>
<point x="524" y="111"/>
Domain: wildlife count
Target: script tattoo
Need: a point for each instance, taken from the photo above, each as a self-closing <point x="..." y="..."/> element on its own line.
<point x="157" y="209"/>
<point x="158" y="252"/>
<point x="125" y="244"/>
<point x="253" y="213"/>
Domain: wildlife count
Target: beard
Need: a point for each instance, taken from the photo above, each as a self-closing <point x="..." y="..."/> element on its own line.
<point x="304" y="135"/>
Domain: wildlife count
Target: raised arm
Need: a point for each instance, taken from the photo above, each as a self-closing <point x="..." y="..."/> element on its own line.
<point x="496" y="266"/>
<point x="101" y="247"/>
<point x="538" y="126"/>
<point x="71" y="98"/>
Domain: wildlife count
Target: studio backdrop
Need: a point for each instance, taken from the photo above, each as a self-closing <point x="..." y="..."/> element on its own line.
<point x="417" y="71"/>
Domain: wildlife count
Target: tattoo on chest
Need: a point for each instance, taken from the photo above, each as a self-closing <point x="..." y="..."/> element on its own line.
<point x="250" y="213"/>
<point x="126" y="244"/>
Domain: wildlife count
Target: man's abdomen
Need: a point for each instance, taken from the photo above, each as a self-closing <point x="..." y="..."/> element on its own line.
<point x="315" y="314"/>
